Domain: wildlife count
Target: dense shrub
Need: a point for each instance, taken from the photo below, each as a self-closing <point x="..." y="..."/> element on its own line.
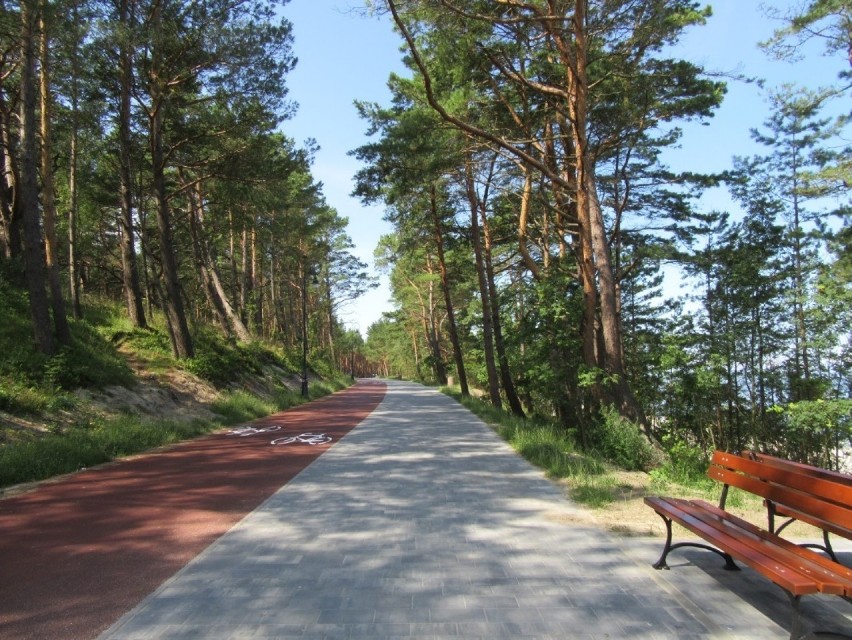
<point x="621" y="441"/>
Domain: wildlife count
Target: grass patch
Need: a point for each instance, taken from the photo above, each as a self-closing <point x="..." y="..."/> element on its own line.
<point x="22" y="399"/>
<point x="550" y="448"/>
<point x="56" y="454"/>
<point x="241" y="406"/>
<point x="596" y="491"/>
<point x="53" y="431"/>
<point x="90" y="361"/>
<point x="93" y="442"/>
<point x="222" y="362"/>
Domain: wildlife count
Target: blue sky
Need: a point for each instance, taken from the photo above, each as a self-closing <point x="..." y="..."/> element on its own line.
<point x="344" y="56"/>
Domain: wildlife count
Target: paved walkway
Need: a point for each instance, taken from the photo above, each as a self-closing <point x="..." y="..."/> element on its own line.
<point x="421" y="523"/>
<point x="79" y="552"/>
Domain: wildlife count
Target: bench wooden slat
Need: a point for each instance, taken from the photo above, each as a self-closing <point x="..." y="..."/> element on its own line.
<point x="803" y="560"/>
<point x="800" y="467"/>
<point x="784" y="576"/>
<point x="820" y="511"/>
<point x="786" y="511"/>
<point x="793" y="476"/>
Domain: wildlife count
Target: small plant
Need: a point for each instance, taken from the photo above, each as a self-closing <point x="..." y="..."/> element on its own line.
<point x="240" y="406"/>
<point x="596" y="491"/>
<point x="285" y="398"/>
<point x="621" y="441"/>
<point x="21" y="399"/>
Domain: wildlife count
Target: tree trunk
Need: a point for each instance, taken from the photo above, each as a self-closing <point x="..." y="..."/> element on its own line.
<point x="245" y="276"/>
<point x="232" y="248"/>
<point x="173" y="302"/>
<point x="209" y="271"/>
<point x="487" y="327"/>
<point x="433" y="336"/>
<point x="597" y="264"/>
<point x="27" y="200"/>
<point x="627" y="402"/>
<point x="329" y="316"/>
<point x="130" y="271"/>
<point x="523" y="217"/>
<point x="430" y="332"/>
<point x="9" y="185"/>
<point x="60" y="317"/>
<point x="73" y="162"/>
<point x="445" y="286"/>
<point x="496" y="323"/>
<point x="257" y="283"/>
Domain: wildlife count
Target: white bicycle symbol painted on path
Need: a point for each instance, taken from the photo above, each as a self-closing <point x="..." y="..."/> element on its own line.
<point x="304" y="438"/>
<point x="250" y="431"/>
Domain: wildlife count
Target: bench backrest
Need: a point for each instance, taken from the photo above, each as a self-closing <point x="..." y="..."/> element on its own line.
<point x="799" y="467"/>
<point x="804" y="493"/>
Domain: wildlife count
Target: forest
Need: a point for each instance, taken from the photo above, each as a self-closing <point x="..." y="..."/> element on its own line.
<point x="146" y="166"/>
<point x="144" y="162"/>
<point x="534" y="221"/>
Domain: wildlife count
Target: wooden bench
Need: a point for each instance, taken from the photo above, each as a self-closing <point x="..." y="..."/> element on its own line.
<point x="821" y="501"/>
<point x="791" y="514"/>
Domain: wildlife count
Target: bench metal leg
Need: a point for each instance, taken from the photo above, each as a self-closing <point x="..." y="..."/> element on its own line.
<point x="730" y="565"/>
<point x="796" y="632"/>
<point x="825" y="546"/>
<point x="796" y="625"/>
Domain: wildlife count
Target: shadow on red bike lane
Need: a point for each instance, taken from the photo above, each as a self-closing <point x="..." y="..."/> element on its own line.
<point x="78" y="553"/>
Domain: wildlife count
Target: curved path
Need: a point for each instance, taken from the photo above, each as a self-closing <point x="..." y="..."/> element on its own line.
<point x="78" y="553"/>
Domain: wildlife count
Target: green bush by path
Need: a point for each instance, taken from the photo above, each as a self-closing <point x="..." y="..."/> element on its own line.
<point x="621" y="441"/>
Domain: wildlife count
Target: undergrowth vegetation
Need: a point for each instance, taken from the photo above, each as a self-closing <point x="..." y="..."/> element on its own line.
<point x="592" y="475"/>
<point x="50" y="430"/>
<point x="80" y="447"/>
<point x="552" y="449"/>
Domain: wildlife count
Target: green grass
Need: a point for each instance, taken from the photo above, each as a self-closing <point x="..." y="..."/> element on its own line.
<point x="596" y="491"/>
<point x="56" y="454"/>
<point x="241" y="406"/>
<point x="54" y="431"/>
<point x="94" y="440"/>
<point x="591" y="480"/>
<point x="550" y="448"/>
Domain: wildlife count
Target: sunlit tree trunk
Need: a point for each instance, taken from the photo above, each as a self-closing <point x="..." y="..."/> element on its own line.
<point x="484" y="294"/>
<point x="73" y="162"/>
<point x="499" y="343"/>
<point x="10" y="242"/>
<point x="206" y="261"/>
<point x="445" y="287"/>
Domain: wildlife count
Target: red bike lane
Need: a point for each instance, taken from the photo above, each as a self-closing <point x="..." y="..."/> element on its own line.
<point x="78" y="553"/>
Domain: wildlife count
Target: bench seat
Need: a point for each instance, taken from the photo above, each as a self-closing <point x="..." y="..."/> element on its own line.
<point x="798" y="570"/>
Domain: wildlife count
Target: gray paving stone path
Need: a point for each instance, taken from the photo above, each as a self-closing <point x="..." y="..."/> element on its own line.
<point x="422" y="523"/>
